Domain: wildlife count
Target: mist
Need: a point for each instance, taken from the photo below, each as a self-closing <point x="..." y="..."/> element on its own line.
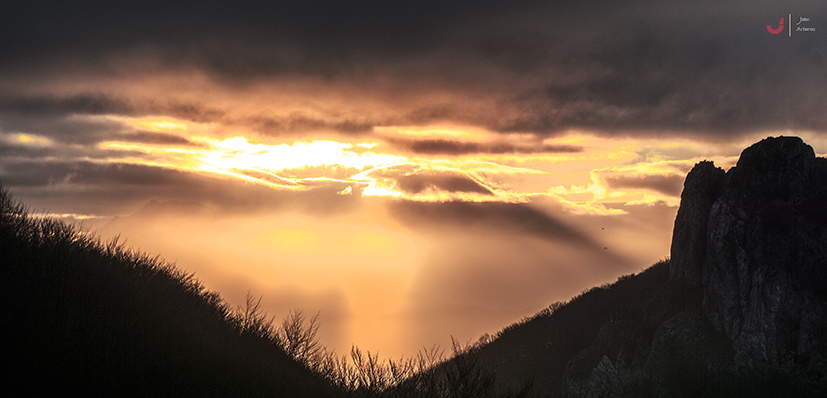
<point x="390" y="283"/>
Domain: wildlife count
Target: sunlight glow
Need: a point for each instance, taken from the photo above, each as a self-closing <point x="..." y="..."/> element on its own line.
<point x="605" y="171"/>
<point x="371" y="242"/>
<point x="295" y="240"/>
<point x="239" y="153"/>
<point x="157" y="125"/>
<point x="32" y="140"/>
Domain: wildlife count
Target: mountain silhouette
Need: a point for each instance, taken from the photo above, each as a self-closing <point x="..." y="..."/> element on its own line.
<point x="740" y="309"/>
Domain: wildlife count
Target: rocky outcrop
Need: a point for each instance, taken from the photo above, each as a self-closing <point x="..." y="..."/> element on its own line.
<point x="745" y="309"/>
<point x="765" y="267"/>
<point x="701" y="188"/>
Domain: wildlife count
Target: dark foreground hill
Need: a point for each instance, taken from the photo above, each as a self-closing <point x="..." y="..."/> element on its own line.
<point x="82" y="318"/>
<point x="739" y="310"/>
<point x="87" y="319"/>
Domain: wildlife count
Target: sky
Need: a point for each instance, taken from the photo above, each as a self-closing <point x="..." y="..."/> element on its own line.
<point x="413" y="170"/>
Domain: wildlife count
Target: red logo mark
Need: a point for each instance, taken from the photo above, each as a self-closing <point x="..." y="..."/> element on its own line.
<point x="778" y="29"/>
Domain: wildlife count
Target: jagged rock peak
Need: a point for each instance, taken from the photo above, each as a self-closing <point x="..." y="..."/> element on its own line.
<point x="777" y="153"/>
<point x="700" y="190"/>
<point x="756" y="242"/>
<point x="784" y="169"/>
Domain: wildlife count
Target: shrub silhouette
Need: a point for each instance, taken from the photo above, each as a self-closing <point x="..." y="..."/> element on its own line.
<point x="85" y="317"/>
<point x="362" y="374"/>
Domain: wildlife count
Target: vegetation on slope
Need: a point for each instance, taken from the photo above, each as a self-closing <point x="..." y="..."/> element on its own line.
<point x="83" y="317"/>
<point x="87" y="318"/>
<point x="540" y="347"/>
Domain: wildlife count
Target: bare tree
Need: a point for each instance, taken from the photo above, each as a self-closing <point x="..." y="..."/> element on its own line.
<point x="300" y="341"/>
<point x="251" y="319"/>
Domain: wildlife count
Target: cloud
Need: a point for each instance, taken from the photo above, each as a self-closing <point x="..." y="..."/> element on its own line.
<point x="99" y="103"/>
<point x="454" y="147"/>
<point x="271" y="125"/>
<point x="11" y="150"/>
<point x="147" y="137"/>
<point x="419" y="183"/>
<point x="82" y="121"/>
<point x="62" y="129"/>
<point x="109" y="189"/>
<point x="86" y="103"/>
<point x="671" y="185"/>
<point x="487" y="218"/>
<point x="36" y="113"/>
<point x="415" y="180"/>
<point x="112" y="176"/>
<point x="331" y="27"/>
<point x="636" y="68"/>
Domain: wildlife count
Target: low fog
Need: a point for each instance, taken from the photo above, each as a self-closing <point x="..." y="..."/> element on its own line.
<point x="392" y="276"/>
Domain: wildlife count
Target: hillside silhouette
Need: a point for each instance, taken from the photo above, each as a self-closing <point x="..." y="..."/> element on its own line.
<point x="87" y="318"/>
<point x="91" y="319"/>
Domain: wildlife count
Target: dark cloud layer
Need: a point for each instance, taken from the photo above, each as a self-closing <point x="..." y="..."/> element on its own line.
<point x="148" y="137"/>
<point x="28" y="113"/>
<point x="415" y="180"/>
<point x="489" y="218"/>
<point x="8" y="151"/>
<point x="298" y="123"/>
<point x="62" y="129"/>
<point x="644" y="67"/>
<point x="418" y="183"/>
<point x="121" y="180"/>
<point x="454" y="147"/>
<point x="671" y="185"/>
<point x="108" y="189"/>
<point x="85" y="103"/>
<point x="334" y="26"/>
<point x="97" y="103"/>
<point x="499" y="217"/>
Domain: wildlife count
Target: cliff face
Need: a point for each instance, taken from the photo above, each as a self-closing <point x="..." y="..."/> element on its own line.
<point x="746" y="303"/>
<point x="701" y="188"/>
<point x="756" y="241"/>
<point x="765" y="268"/>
